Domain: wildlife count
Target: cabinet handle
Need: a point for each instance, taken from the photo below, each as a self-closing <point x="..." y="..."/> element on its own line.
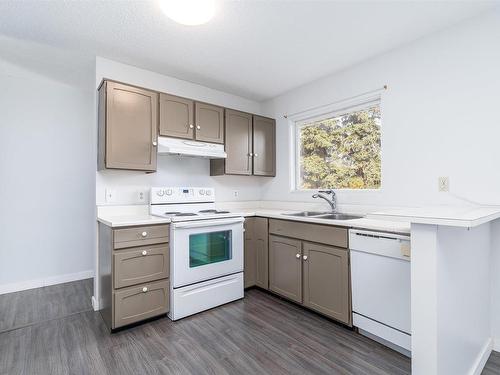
<point x="250" y="154"/>
<point x="144" y="290"/>
<point x="191" y="126"/>
<point x="297" y="256"/>
<point x="304" y="257"/>
<point x="155" y="143"/>
<point x="198" y="127"/>
<point x="144" y="234"/>
<point x="255" y="155"/>
<point x="144" y="252"/>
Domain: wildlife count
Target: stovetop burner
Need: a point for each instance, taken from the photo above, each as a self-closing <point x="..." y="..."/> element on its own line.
<point x="178" y="213"/>
<point x="172" y="213"/>
<point x="213" y="212"/>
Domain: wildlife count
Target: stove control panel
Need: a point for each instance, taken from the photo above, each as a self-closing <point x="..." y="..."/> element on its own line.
<point x="181" y="194"/>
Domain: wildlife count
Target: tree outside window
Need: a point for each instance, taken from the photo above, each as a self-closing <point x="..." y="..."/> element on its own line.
<point x="341" y="152"/>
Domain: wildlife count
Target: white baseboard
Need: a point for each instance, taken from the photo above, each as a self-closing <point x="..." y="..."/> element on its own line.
<point x="52" y="280"/>
<point x="95" y="305"/>
<point x="482" y="358"/>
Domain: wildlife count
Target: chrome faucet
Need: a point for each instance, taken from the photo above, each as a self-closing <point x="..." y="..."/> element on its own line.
<point x="324" y="194"/>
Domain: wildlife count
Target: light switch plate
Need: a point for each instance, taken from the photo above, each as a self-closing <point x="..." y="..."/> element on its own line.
<point x="444" y="184"/>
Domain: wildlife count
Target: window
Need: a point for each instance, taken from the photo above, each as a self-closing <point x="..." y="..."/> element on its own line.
<point x="340" y="151"/>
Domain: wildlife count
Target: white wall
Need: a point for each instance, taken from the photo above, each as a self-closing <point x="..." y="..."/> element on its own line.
<point x="173" y="170"/>
<point x="495" y="283"/>
<point x="440" y="117"/>
<point x="47" y="190"/>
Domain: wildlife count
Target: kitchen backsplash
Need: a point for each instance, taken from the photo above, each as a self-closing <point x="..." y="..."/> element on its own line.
<point x="116" y="187"/>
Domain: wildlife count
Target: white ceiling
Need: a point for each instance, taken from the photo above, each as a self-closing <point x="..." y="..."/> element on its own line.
<point x="256" y="49"/>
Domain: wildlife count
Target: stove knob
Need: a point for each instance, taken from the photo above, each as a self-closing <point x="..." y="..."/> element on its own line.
<point x="159" y="193"/>
<point x="208" y="192"/>
<point x="168" y="191"/>
<point x="202" y="192"/>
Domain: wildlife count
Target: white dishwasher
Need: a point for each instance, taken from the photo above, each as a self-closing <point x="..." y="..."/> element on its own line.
<point x="380" y="279"/>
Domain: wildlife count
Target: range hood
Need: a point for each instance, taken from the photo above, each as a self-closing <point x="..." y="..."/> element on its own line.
<point x="174" y="146"/>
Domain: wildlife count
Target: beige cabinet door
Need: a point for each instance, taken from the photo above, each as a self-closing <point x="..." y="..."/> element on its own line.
<point x="140" y="302"/>
<point x="261" y="247"/>
<point x="131" y="127"/>
<point x="209" y="123"/>
<point x="176" y="117"/>
<point x="326" y="280"/>
<point x="140" y="264"/>
<point x="264" y="146"/>
<point x="238" y="143"/>
<point x="285" y="267"/>
<point x="250" y="256"/>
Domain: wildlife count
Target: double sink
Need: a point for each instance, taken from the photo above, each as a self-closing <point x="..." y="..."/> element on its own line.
<point x="325" y="215"/>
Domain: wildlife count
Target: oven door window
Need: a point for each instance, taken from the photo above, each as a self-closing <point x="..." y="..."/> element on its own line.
<point x="208" y="248"/>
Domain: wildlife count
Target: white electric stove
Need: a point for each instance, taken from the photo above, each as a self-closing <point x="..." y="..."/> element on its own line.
<point x="206" y="249"/>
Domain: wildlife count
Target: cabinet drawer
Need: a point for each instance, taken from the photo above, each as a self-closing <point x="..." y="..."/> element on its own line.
<point x="140" y="236"/>
<point x="140" y="302"/>
<point x="326" y="234"/>
<point x="140" y="265"/>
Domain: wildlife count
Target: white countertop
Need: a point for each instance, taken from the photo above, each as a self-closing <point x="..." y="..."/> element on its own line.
<point x="116" y="221"/>
<point x="441" y="215"/>
<point x="364" y="223"/>
<point x="138" y="215"/>
<point x="390" y="220"/>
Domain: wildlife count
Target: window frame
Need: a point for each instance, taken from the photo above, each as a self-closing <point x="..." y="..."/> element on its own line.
<point x="299" y="123"/>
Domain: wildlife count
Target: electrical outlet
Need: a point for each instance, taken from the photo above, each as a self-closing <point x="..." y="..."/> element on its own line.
<point x="141" y="196"/>
<point x="236" y="193"/>
<point x="444" y="184"/>
<point x="110" y="195"/>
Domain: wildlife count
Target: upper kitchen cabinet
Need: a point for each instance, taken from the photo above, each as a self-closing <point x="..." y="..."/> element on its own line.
<point x="264" y="143"/>
<point x="238" y="146"/>
<point x="209" y="123"/>
<point x="185" y="118"/>
<point x="176" y="117"/>
<point x="128" y="122"/>
<point x="250" y="146"/>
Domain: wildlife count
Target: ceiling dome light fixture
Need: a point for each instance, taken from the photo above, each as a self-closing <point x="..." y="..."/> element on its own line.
<point x="189" y="12"/>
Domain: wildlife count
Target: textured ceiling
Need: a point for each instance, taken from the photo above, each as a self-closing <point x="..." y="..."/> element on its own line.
<point x="256" y="49"/>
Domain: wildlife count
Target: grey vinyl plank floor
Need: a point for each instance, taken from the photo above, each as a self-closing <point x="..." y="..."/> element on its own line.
<point x="260" y="334"/>
<point x="493" y="365"/>
<point x="36" y="305"/>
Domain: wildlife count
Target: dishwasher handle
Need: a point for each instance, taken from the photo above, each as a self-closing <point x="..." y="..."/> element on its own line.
<point x="380" y="243"/>
<point x="380" y="235"/>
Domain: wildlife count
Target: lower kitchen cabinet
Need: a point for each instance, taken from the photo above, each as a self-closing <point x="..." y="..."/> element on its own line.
<point x="326" y="280"/>
<point x="133" y="273"/>
<point x="285" y="267"/>
<point x="140" y="264"/>
<point x="140" y="302"/>
<point x="250" y="257"/>
<point x="256" y="252"/>
<point x="312" y="274"/>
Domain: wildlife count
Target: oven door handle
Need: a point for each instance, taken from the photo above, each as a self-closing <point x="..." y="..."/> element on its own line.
<point x="207" y="223"/>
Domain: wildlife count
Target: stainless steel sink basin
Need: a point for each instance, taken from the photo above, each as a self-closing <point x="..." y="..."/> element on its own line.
<point x="325" y="215"/>
<point x="339" y="216"/>
<point x="307" y="213"/>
